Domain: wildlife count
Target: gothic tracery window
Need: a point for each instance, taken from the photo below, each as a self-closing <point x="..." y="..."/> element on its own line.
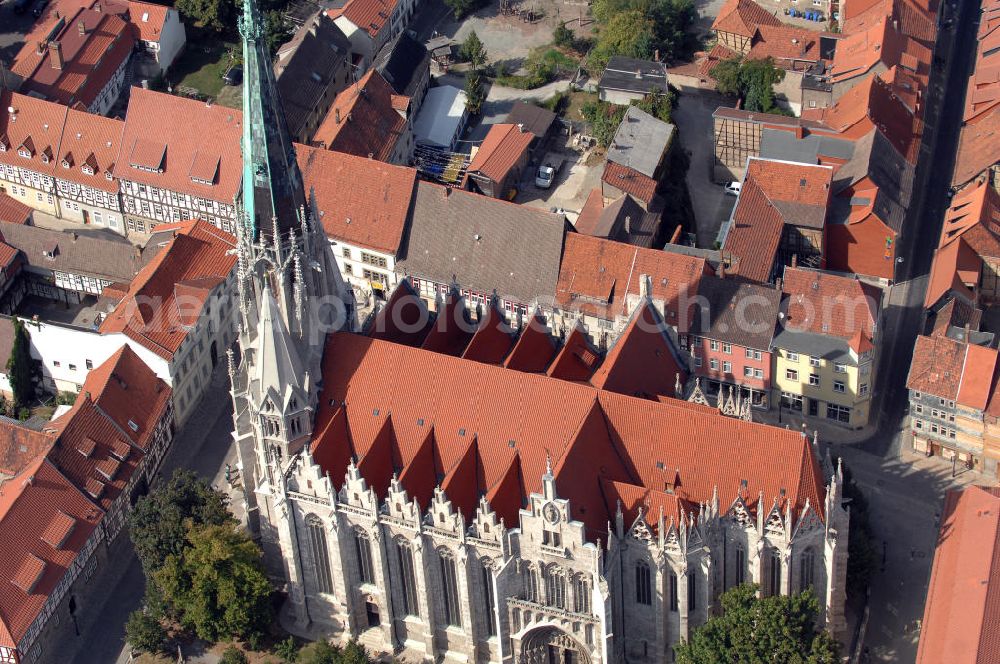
<point x="409" y="583"/>
<point x="320" y="553"/>
<point x="581" y="594"/>
<point x="449" y="583"/>
<point x="530" y="580"/>
<point x="643" y="585"/>
<point x="807" y="563"/>
<point x="363" y="549"/>
<point x="555" y="588"/>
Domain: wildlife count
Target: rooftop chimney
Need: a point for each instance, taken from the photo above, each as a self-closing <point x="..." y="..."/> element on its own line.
<point x="55" y="54"/>
<point x="40" y="48"/>
<point x="82" y="27"/>
<point x="336" y="115"/>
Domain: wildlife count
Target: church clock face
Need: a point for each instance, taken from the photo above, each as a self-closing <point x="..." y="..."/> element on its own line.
<point x="551" y="514"/>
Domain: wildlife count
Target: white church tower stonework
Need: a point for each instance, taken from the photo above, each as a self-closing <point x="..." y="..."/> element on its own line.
<point x="443" y="509"/>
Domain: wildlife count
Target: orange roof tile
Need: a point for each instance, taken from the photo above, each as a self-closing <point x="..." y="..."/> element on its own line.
<point x="742" y="17"/>
<point x="493" y="339"/>
<point x="535" y="348"/>
<point x="493" y="429"/>
<point x="31" y="568"/>
<point x="362" y="120"/>
<point x="452" y="329"/>
<point x="144" y="157"/>
<point x="629" y="181"/>
<point x="148" y="18"/>
<point x="197" y="251"/>
<point x="369" y="15"/>
<point x="403" y="318"/>
<point x="502" y="148"/>
<point x="978" y="147"/>
<point x="360" y="201"/>
<point x="89" y="147"/>
<point x="751" y="243"/>
<point x="790" y="47"/>
<point x="90" y="56"/>
<point x="829" y="304"/>
<point x="13" y="211"/>
<point x="577" y="360"/>
<point x="590" y="215"/>
<point x="961" y="622"/>
<point x="29" y="137"/>
<point x="596" y="275"/>
<point x="952" y="370"/>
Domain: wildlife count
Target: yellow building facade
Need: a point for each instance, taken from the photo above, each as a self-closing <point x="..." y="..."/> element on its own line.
<point x="832" y="385"/>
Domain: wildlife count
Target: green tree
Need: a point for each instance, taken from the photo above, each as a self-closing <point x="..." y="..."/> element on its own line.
<point x="473" y="51"/>
<point x="603" y="119"/>
<point x="658" y="104"/>
<point x="23" y="370"/>
<point x="144" y="632"/>
<point x="772" y="630"/>
<point x="751" y="80"/>
<point x="319" y="652"/>
<point x="158" y="523"/>
<point x="354" y="653"/>
<point x="475" y="94"/>
<point x="276" y="31"/>
<point x="217" y="585"/>
<point x="629" y="34"/>
<point x="672" y="21"/>
<point x="287" y="650"/>
<point x="233" y="655"/>
<point x="562" y="36"/>
<point x="214" y="15"/>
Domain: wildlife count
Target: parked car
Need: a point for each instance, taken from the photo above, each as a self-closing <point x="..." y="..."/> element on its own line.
<point x="733" y="188"/>
<point x="233" y="75"/>
<point x="39" y="9"/>
<point x="545" y="177"/>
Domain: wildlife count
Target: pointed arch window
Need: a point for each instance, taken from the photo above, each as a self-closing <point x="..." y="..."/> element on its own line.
<point x="530" y="583"/>
<point x="741" y="564"/>
<point x="774" y="574"/>
<point x="363" y="548"/>
<point x="449" y="582"/>
<point x="581" y="594"/>
<point x="489" y="598"/>
<point x="409" y="584"/>
<point x="643" y="584"/>
<point x="807" y="569"/>
<point x="555" y="588"/>
<point x="320" y="553"/>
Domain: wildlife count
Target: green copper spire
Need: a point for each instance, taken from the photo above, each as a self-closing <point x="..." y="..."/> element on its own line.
<point x="272" y="183"/>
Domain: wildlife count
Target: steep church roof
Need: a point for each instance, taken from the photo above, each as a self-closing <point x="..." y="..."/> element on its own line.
<point x="277" y="362"/>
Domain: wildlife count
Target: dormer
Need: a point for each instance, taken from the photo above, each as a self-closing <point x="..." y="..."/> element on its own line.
<point x="27" y="148"/>
<point x="204" y="169"/>
<point x="107" y="173"/>
<point x="47" y="155"/>
<point x="67" y="161"/>
<point x="59" y="530"/>
<point x="4" y="142"/>
<point x="89" y="166"/>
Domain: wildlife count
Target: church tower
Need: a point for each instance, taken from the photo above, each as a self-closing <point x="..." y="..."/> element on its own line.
<point x="290" y="296"/>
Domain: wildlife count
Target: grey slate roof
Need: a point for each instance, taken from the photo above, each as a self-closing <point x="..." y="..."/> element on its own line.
<point x="305" y="65"/>
<point x="875" y="158"/>
<point x="535" y="119"/>
<point x="402" y="62"/>
<point x="101" y="254"/>
<point x="640" y="141"/>
<point x="736" y="312"/>
<point x="823" y="346"/>
<point x="624" y="220"/>
<point x="632" y="75"/>
<point x="482" y="243"/>
<point x="778" y="144"/>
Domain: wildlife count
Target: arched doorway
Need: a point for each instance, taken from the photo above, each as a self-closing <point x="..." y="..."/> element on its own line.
<point x="549" y="645"/>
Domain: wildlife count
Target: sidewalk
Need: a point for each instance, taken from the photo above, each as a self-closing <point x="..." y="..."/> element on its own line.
<point x="826" y="431"/>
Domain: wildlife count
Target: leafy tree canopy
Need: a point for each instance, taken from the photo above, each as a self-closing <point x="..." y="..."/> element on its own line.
<point x="629" y="33"/>
<point x="214" y="15"/>
<point x="562" y="36"/>
<point x="672" y="22"/>
<point x="22" y="369"/>
<point x="233" y="655"/>
<point x="217" y="585"/>
<point x="473" y="51"/>
<point x="157" y="524"/>
<point x="752" y="630"/>
<point x="144" y="632"/>
<point x="322" y="652"/>
<point x="604" y="117"/>
<point x="751" y="80"/>
<point x="475" y="94"/>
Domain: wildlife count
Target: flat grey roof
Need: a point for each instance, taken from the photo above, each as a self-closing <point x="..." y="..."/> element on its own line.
<point x="640" y="141"/>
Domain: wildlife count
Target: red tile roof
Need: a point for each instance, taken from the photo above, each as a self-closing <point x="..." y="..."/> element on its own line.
<point x="742" y="17"/>
<point x="489" y="431"/>
<point x="369" y="15"/>
<point x="978" y="147"/>
<point x="146" y="140"/>
<point x="361" y="201"/>
<point x="493" y="339"/>
<point x="830" y="304"/>
<point x="89" y="147"/>
<point x="197" y="256"/>
<point x="590" y="215"/>
<point x="751" y="244"/>
<point x="629" y="181"/>
<point x="20" y="446"/>
<point x="362" y="120"/>
<point x="500" y="151"/>
<point x="953" y="370"/>
<point x="403" y="319"/>
<point x="118" y="385"/>
<point x="90" y="56"/>
<point x="642" y="362"/>
<point x="34" y="127"/>
<point x="34" y="505"/>
<point x="452" y="329"/>
<point x="970" y="233"/>
<point x="790" y="47"/>
<point x="596" y="275"/>
<point x="148" y="19"/>
<point x="961" y="622"/>
<point x="883" y="42"/>
<point x="577" y="360"/>
<point x="13" y="211"/>
<point x="535" y="348"/>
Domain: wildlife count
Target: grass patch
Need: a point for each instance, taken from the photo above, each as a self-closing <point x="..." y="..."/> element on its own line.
<point x="543" y="65"/>
<point x="576" y="100"/>
<point x="202" y="65"/>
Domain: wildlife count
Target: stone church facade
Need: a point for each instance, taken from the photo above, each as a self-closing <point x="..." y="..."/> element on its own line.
<point x="570" y="541"/>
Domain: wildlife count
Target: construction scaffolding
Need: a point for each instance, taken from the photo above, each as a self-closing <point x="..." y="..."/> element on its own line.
<point x="439" y="165"/>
